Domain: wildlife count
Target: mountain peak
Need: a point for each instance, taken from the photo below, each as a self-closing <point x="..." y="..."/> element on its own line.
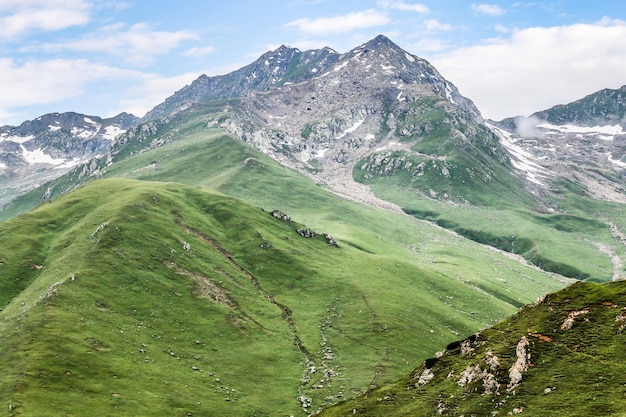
<point x="380" y="41"/>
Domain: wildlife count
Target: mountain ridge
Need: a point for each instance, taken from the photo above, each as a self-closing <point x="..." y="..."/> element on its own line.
<point x="45" y="148"/>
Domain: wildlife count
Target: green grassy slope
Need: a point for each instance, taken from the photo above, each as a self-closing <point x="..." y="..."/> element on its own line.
<point x="572" y="243"/>
<point x="457" y="174"/>
<point x="574" y="351"/>
<point x="577" y="243"/>
<point x="145" y="298"/>
<point x="448" y="156"/>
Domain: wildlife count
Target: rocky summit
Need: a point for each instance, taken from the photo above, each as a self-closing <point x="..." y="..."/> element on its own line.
<point x="377" y="108"/>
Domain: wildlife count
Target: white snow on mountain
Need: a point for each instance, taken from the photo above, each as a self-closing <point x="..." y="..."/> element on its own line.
<point x="85" y="133"/>
<point x="111" y="132"/>
<point x="521" y="159"/>
<point x="617" y="162"/>
<point x="16" y="139"/>
<point x="350" y="129"/>
<point x="602" y="132"/>
<point x="39" y="157"/>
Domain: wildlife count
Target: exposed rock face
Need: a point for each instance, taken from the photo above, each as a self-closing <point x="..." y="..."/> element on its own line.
<point x="45" y="148"/>
<point x="571" y="318"/>
<point x="277" y="67"/>
<point x="374" y="102"/>
<point x="583" y="142"/>
<point x="521" y="364"/>
<point x="306" y="233"/>
<point x="280" y="215"/>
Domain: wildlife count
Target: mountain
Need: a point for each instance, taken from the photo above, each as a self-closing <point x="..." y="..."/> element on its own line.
<point x="380" y="126"/>
<point x="273" y="68"/>
<point x="49" y="146"/>
<point x="603" y="108"/>
<point x="131" y="297"/>
<point x="582" y="143"/>
<point x="562" y="356"/>
<point x="377" y="112"/>
<point x="160" y="277"/>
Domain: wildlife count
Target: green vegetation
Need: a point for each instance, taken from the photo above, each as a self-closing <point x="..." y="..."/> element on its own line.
<point x="452" y="158"/>
<point x="573" y="243"/>
<point x="104" y="271"/>
<point x="574" y="355"/>
<point x="135" y="297"/>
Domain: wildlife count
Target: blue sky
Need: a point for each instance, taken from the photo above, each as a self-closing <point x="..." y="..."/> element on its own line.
<point x="102" y="57"/>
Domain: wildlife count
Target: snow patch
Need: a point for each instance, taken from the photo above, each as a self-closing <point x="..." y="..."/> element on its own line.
<point x="387" y="69"/>
<point x="603" y="130"/>
<point x="389" y="145"/>
<point x="340" y="66"/>
<point x="38" y="157"/>
<point x="54" y="128"/>
<point x="83" y="133"/>
<point x="522" y="160"/>
<point x="409" y="57"/>
<point x="449" y="94"/>
<point x="111" y="132"/>
<point x="617" y="162"/>
<point x="69" y="164"/>
<point x="88" y="120"/>
<point x="320" y="153"/>
<point x="351" y="129"/>
<point x="18" y="139"/>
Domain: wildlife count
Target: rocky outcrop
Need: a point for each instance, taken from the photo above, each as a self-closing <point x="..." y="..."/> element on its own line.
<point x="521" y="364"/>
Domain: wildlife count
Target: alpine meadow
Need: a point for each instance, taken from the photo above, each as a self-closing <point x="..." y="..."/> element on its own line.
<point x="316" y="233"/>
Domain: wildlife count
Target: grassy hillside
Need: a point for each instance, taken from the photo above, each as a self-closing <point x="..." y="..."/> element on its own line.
<point x="134" y="297"/>
<point x="563" y="356"/>
<point x="581" y="241"/>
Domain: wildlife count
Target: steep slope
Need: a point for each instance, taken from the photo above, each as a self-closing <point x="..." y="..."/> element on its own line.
<point x="385" y="114"/>
<point x="570" y="158"/>
<point x="49" y="146"/>
<point x="133" y="297"/>
<point x="583" y="143"/>
<point x="563" y="356"/>
<point x="283" y="65"/>
<point x="602" y="108"/>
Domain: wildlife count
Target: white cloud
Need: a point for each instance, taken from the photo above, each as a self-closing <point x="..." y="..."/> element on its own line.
<point x="42" y="82"/>
<point x="21" y="17"/>
<point x="537" y="68"/>
<point x="152" y="90"/>
<point x="341" y="24"/>
<point x="199" y="51"/>
<point x="136" y="44"/>
<point x="429" y="45"/>
<point x="488" y="9"/>
<point x="434" y="24"/>
<point x="400" y="5"/>
<point x="501" y="29"/>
